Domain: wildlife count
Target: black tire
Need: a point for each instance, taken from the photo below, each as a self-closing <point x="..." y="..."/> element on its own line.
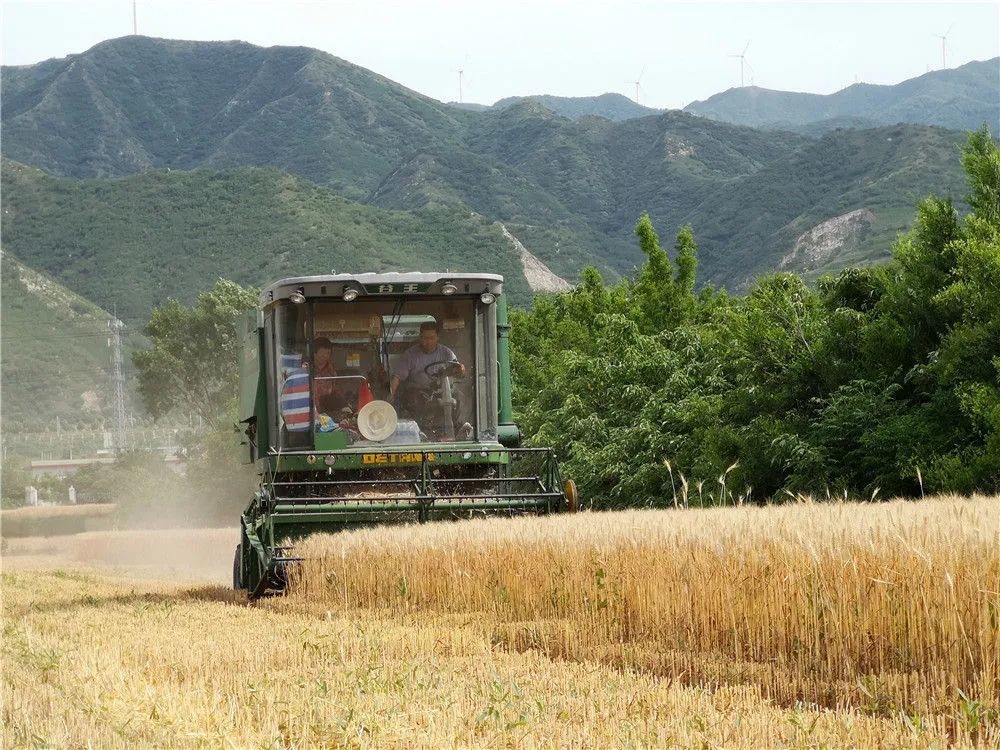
<point x="238" y="568"/>
<point x="277" y="579"/>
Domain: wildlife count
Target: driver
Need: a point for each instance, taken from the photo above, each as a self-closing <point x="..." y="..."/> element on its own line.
<point x="410" y="369"/>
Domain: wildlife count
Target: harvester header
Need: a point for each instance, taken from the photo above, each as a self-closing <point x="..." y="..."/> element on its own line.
<point x="380" y="398"/>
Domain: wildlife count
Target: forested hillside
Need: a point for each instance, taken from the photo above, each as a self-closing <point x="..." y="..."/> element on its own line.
<point x="609" y="106"/>
<point x="570" y="190"/>
<point x="56" y="361"/>
<point x="136" y="103"/>
<point x="964" y="98"/>
<point x="855" y="189"/>
<point x="136" y="241"/>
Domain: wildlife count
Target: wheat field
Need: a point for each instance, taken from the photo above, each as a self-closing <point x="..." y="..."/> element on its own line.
<point x="891" y="608"/>
<point x="801" y="626"/>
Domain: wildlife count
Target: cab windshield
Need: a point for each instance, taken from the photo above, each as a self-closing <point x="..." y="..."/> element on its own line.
<point x="382" y="372"/>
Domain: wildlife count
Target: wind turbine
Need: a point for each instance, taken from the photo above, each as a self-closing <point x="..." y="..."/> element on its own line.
<point x="461" y="78"/>
<point x="636" y="83"/>
<point x="743" y="61"/>
<point x="944" y="41"/>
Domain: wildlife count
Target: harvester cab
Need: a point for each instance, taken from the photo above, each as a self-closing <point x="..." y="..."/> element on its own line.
<point x="380" y="398"/>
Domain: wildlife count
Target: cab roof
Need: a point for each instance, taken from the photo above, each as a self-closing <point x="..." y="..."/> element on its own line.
<point x="379" y="284"/>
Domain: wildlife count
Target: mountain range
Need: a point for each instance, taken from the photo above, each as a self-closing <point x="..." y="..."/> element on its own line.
<point x="568" y="189"/>
<point x="144" y="168"/>
<point x="962" y="98"/>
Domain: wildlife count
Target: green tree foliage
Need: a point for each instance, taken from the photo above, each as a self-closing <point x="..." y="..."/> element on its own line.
<point x="192" y="365"/>
<point x="15" y="475"/>
<point x="665" y="297"/>
<point x="881" y="378"/>
<point x="981" y="161"/>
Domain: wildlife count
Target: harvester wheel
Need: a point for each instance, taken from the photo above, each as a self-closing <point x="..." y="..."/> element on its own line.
<point x="238" y="568"/>
<point x="572" y="498"/>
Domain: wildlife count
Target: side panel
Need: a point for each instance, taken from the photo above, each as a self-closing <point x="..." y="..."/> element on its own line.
<point x="508" y="432"/>
<point x="253" y="391"/>
<point x="261" y="407"/>
<point x="250" y="365"/>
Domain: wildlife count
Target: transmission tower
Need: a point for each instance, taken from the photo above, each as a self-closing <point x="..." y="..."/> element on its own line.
<point x="115" y="326"/>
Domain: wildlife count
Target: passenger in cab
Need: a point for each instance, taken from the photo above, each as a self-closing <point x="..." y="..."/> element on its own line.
<point x="295" y="401"/>
<point x="329" y="398"/>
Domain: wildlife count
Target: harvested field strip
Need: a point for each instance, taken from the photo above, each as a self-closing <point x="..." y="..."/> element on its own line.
<point x="177" y="554"/>
<point x="889" y="608"/>
<point x="49" y="520"/>
<point x="88" y="661"/>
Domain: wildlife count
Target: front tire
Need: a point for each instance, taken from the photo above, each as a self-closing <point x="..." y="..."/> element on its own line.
<point x="238" y="568"/>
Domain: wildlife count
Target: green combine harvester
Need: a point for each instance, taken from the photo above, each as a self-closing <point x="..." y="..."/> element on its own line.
<point x="380" y="398"/>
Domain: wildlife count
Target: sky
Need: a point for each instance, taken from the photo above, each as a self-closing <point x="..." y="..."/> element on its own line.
<point x="680" y="52"/>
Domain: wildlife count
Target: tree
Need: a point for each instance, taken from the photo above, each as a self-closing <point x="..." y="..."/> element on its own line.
<point x="687" y="260"/>
<point x="665" y="299"/>
<point x="968" y="361"/>
<point x="981" y="160"/>
<point x="193" y="364"/>
<point x="15" y="475"/>
<point x="861" y="382"/>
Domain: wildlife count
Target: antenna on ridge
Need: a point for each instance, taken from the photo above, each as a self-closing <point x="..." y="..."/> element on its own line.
<point x="636" y="83"/>
<point x="944" y="41"/>
<point x="135" y="22"/>
<point x="743" y="62"/>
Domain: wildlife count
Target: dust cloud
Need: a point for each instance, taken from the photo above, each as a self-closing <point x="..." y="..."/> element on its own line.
<point x="178" y="554"/>
<point x="158" y="524"/>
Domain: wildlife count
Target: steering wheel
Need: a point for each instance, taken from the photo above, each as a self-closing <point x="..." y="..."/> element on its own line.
<point x="437" y="369"/>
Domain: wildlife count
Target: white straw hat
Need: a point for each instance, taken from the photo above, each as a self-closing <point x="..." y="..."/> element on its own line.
<point x="377" y="420"/>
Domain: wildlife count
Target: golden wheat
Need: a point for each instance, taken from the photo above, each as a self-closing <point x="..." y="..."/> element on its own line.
<point x="802" y="626"/>
<point x="890" y="608"/>
<point x="88" y="661"/>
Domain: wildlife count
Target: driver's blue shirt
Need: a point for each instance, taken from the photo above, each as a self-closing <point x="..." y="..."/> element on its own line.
<point x="411" y="363"/>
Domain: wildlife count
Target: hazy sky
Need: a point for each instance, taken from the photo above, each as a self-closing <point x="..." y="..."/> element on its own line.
<point x="566" y="48"/>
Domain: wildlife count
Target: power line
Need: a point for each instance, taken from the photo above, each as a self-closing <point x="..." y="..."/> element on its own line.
<point x="62" y="337"/>
<point x="94" y="375"/>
